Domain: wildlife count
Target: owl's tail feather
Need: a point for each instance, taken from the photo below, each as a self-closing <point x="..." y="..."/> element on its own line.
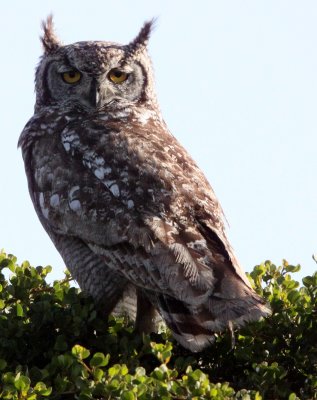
<point x="194" y="328"/>
<point x="238" y="311"/>
<point x="186" y="327"/>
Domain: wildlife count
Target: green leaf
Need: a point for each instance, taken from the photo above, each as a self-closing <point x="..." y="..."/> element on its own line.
<point x="98" y="374"/>
<point x="99" y="360"/>
<point x="41" y="389"/>
<point x="293" y="296"/>
<point x="64" y="361"/>
<point x="124" y="369"/>
<point x="127" y="395"/>
<point x="308" y="281"/>
<point x="80" y="352"/>
<point x="22" y="383"/>
<point x="292" y="268"/>
<point x="19" y="310"/>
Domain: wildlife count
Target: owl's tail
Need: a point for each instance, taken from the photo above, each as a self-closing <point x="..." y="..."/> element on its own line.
<point x="194" y="327"/>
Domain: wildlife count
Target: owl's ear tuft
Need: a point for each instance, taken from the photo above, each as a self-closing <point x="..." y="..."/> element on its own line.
<point x="138" y="44"/>
<point x="144" y="34"/>
<point x="49" y="39"/>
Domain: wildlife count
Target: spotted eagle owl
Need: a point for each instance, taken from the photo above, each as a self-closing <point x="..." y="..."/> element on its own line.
<point x="122" y="201"/>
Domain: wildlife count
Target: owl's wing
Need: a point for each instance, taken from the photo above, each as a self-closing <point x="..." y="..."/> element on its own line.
<point x="166" y="229"/>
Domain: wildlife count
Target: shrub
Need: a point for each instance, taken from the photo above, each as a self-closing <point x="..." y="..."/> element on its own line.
<point x="53" y="345"/>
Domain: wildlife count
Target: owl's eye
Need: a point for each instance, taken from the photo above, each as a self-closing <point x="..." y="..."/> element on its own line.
<point x="72" y="76"/>
<point x="117" y="76"/>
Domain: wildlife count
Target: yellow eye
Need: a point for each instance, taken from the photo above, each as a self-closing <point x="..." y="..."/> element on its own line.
<point x="117" y="76"/>
<point x="71" y="76"/>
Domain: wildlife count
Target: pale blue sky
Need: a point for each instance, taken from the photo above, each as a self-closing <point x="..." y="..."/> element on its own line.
<point x="237" y="84"/>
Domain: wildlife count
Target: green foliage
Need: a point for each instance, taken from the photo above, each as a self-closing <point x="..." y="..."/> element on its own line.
<point x="53" y="345"/>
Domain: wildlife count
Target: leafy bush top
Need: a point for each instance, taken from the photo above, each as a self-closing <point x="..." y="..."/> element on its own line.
<point x="54" y="345"/>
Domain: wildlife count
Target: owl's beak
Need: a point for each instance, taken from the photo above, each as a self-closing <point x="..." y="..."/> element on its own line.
<point x="94" y="94"/>
<point x="101" y="97"/>
<point x="98" y="99"/>
<point x="105" y="93"/>
<point x="100" y="94"/>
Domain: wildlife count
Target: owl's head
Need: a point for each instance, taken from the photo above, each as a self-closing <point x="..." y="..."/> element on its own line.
<point x="94" y="75"/>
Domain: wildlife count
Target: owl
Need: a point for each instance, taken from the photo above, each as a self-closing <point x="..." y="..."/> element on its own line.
<point x="122" y="201"/>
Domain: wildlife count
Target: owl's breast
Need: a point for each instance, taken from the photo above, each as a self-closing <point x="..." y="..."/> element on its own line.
<point x="66" y="193"/>
<point x="108" y="177"/>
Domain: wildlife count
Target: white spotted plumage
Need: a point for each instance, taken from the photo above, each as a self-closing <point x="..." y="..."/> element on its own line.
<point x="122" y="201"/>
